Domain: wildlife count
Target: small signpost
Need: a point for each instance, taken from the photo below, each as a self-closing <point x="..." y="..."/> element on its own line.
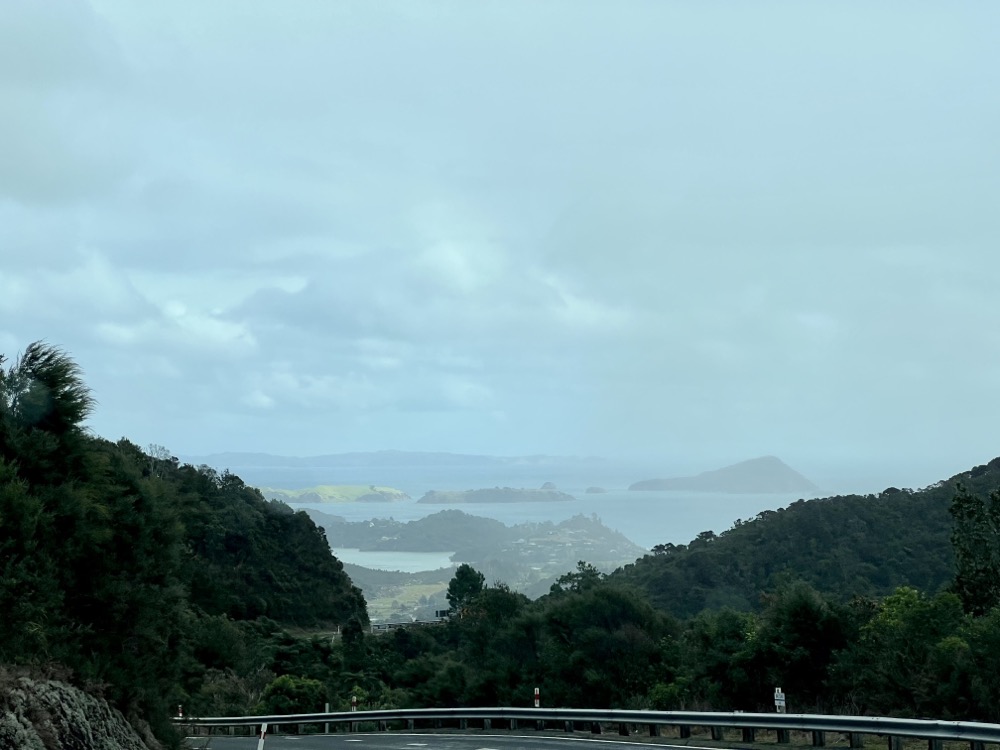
<point x="538" y="701"/>
<point x="779" y="700"/>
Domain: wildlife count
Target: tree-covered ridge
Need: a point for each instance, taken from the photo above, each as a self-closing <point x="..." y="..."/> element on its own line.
<point x="164" y="584"/>
<point x="844" y="546"/>
<point x="109" y="557"/>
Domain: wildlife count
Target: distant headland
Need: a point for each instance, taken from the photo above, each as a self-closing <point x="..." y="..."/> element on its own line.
<point x="765" y="475"/>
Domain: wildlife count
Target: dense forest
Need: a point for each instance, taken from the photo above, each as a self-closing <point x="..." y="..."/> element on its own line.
<point x="159" y="584"/>
<point x="843" y="546"/>
<point x="121" y="566"/>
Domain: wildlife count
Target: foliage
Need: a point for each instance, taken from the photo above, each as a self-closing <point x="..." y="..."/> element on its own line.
<point x="843" y="546"/>
<point x="163" y="584"/>
<point x="465" y="586"/>
<point x="124" y="566"/>
<point x="976" y="541"/>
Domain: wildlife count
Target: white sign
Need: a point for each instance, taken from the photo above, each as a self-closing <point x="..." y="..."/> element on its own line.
<point x="779" y="700"/>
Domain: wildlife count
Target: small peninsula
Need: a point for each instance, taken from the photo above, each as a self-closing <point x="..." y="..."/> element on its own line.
<point x="765" y="475"/>
<point x="495" y="495"/>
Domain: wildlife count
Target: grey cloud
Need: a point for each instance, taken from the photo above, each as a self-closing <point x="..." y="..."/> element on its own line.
<point x="511" y="227"/>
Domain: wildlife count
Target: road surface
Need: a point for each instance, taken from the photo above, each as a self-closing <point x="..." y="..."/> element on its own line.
<point x="422" y="741"/>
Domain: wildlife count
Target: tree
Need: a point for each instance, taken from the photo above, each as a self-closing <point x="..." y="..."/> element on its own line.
<point x="466" y="585"/>
<point x="290" y="694"/>
<point x="585" y="578"/>
<point x="975" y="538"/>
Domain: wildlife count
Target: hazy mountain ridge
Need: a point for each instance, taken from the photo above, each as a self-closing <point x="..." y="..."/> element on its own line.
<point x="380" y="459"/>
<point x="767" y="474"/>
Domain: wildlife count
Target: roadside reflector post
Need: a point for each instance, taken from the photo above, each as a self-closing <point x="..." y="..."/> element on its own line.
<point x="326" y="726"/>
<point x="263" y="735"/>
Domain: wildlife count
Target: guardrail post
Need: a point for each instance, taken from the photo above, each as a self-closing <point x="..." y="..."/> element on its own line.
<point x="411" y="724"/>
<point x="933" y="744"/>
<point x="819" y="738"/>
<point x="857" y="740"/>
<point x="487" y="724"/>
<point x="783" y="736"/>
<point x="895" y="743"/>
<point x="654" y="730"/>
<point x="749" y="734"/>
<point x="716" y="733"/>
<point x="463" y="724"/>
<point x="684" y="731"/>
<point x="513" y="724"/>
<point x="595" y="727"/>
<point x="383" y="726"/>
<point x="623" y="730"/>
<point x="977" y="745"/>
<point x="568" y="726"/>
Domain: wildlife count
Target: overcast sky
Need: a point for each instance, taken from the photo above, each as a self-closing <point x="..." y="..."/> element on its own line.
<point x="693" y="232"/>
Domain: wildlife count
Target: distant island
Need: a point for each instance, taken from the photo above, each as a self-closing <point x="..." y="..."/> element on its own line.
<point x="336" y="493"/>
<point x="764" y="475"/>
<point x="495" y="495"/>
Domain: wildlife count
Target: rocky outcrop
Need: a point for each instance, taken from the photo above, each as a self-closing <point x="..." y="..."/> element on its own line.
<point x="48" y="714"/>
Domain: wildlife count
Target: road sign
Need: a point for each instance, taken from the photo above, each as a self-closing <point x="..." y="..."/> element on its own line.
<point x="779" y="700"/>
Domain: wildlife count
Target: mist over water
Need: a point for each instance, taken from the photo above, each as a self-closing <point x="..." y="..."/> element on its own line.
<point x="646" y="518"/>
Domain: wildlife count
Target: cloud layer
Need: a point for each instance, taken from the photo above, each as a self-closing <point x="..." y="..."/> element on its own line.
<point x="692" y="234"/>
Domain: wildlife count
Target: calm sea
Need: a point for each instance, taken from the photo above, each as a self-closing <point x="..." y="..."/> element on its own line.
<point x="646" y="518"/>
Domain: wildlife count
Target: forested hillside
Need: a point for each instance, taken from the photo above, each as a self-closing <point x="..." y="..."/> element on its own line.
<point x="843" y="546"/>
<point x="114" y="562"/>
<point x="160" y="584"/>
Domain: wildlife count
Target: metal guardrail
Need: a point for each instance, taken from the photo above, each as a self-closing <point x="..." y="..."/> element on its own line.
<point x="933" y="731"/>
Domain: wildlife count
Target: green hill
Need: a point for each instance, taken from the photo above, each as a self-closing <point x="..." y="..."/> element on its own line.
<point x="843" y="546"/>
<point x="123" y="567"/>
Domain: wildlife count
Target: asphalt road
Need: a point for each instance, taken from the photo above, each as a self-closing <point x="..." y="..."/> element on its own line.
<point x="421" y="741"/>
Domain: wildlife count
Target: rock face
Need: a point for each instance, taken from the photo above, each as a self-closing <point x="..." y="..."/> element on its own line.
<point x="46" y="714"/>
<point x="764" y="475"/>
